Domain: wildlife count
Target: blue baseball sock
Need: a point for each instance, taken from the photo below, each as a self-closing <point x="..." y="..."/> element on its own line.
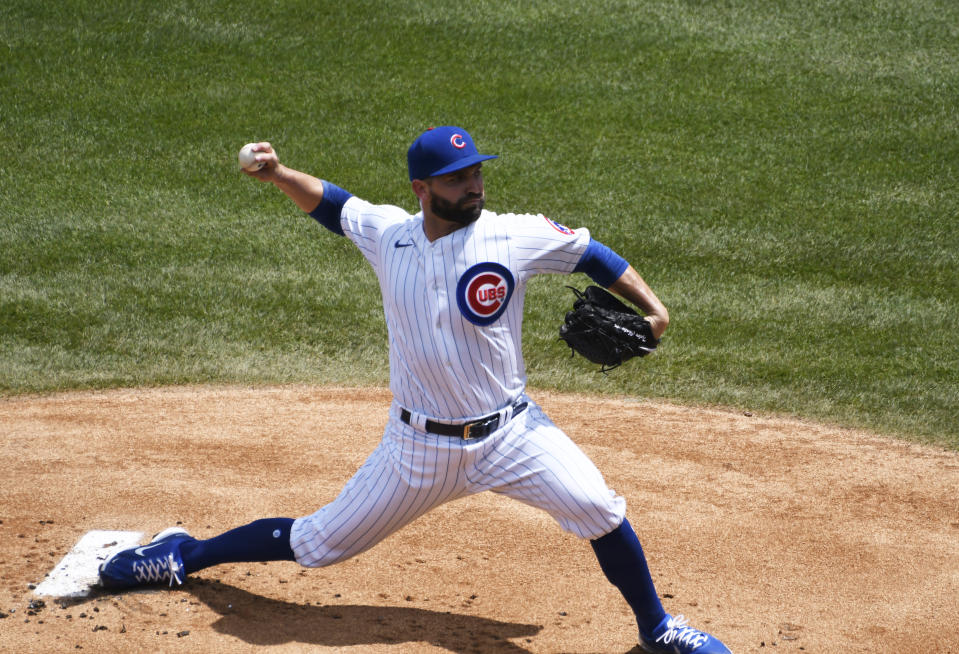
<point x="624" y="564"/>
<point x="262" y="540"/>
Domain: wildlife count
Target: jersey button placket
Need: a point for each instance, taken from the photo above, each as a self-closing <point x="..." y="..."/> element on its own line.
<point x="436" y="284"/>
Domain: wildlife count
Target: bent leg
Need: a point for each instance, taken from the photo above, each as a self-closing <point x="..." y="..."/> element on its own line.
<point x="538" y="464"/>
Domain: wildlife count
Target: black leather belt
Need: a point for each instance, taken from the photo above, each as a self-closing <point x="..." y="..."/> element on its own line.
<point x="476" y="429"/>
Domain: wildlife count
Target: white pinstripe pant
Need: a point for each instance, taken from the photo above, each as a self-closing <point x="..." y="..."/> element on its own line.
<point x="411" y="472"/>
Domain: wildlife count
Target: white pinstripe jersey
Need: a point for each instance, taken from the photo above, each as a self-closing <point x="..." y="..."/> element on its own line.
<point x="454" y="307"/>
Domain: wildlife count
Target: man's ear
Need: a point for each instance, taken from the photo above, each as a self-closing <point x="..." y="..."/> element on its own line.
<point x="421" y="189"/>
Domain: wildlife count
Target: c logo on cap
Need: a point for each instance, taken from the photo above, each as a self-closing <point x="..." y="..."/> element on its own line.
<point x="457" y="141"/>
<point x="484" y="291"/>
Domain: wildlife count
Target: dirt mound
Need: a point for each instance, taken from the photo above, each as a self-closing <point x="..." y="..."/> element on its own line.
<point x="776" y="535"/>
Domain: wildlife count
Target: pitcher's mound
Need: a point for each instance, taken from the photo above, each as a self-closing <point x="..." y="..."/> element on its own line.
<point x="776" y="535"/>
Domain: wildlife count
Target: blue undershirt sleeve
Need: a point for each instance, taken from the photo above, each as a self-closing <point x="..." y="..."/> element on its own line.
<point x="328" y="211"/>
<point x="601" y="264"/>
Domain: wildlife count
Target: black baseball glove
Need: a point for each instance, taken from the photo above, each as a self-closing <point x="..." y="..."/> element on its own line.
<point x="604" y="330"/>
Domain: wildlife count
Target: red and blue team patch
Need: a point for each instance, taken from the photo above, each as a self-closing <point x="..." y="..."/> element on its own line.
<point x="484" y="291"/>
<point x="562" y="229"/>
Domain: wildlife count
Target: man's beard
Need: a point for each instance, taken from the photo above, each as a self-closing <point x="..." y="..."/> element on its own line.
<point x="457" y="212"/>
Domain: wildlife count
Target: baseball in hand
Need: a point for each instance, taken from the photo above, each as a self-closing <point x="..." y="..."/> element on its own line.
<point x="246" y="158"/>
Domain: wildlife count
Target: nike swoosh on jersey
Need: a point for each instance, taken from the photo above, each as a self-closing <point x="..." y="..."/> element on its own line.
<point x="402" y="245"/>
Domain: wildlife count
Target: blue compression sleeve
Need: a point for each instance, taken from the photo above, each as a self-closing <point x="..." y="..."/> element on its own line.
<point x="262" y="540"/>
<point x="327" y="212"/>
<point x="601" y="264"/>
<point x="623" y="562"/>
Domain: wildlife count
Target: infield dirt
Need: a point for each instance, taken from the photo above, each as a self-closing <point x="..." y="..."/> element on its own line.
<point x="776" y="535"/>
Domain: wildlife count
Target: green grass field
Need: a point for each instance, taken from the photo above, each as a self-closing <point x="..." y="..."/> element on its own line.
<point x="785" y="175"/>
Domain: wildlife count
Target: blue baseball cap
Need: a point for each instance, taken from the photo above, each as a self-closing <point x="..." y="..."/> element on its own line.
<point x="441" y="150"/>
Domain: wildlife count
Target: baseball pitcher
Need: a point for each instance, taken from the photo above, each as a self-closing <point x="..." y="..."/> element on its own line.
<point x="453" y="279"/>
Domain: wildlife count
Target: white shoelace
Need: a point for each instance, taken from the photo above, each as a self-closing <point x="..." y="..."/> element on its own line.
<point x="160" y="569"/>
<point x="679" y="631"/>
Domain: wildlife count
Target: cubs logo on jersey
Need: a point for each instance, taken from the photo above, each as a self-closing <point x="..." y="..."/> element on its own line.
<point x="484" y="291"/>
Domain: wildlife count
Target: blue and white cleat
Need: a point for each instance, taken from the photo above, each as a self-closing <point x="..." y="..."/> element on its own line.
<point x="158" y="561"/>
<point x="674" y="636"/>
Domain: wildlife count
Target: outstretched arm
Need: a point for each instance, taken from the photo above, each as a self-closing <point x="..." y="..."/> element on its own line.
<point x="305" y="190"/>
